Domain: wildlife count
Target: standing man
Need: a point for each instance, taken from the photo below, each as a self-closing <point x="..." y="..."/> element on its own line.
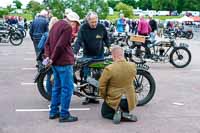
<point x="154" y="27"/>
<point x="119" y="95"/>
<point x="38" y="27"/>
<point x="121" y="23"/>
<point x="59" y="54"/>
<point x="92" y="37"/>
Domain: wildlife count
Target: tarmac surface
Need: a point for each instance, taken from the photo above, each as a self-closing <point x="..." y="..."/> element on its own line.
<point x="175" y="108"/>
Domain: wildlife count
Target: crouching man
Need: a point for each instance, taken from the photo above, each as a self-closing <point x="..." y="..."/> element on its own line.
<point x="117" y="89"/>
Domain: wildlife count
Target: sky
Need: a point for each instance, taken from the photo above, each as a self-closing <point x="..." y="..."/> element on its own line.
<point x="4" y="3"/>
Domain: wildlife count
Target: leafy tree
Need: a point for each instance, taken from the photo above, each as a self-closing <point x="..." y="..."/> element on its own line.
<point x="35" y="7"/>
<point x="127" y="10"/>
<point x="18" y="4"/>
<point x="113" y="3"/>
<point x="82" y="7"/>
<point x="130" y="3"/>
<point x="9" y="7"/>
<point x="3" y="12"/>
<point x="145" y="4"/>
<point x="57" y="7"/>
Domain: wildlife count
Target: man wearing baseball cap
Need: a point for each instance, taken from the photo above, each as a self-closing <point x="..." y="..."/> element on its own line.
<point x="60" y="57"/>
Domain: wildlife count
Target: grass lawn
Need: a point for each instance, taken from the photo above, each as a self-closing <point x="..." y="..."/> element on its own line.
<point x="116" y="16"/>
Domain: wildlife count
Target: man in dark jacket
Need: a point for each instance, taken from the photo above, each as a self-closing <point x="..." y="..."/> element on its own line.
<point x="59" y="53"/>
<point x="38" y="27"/>
<point x="92" y="37"/>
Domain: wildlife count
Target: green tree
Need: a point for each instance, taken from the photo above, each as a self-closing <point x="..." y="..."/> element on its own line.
<point x="3" y="12"/>
<point x="130" y="3"/>
<point x="9" y="7"/>
<point x="127" y="10"/>
<point x="193" y="5"/>
<point x="18" y="4"/>
<point x="35" y="7"/>
<point x="113" y="3"/>
<point x="82" y="7"/>
<point x="100" y="7"/>
<point x="145" y="4"/>
<point x="57" y="7"/>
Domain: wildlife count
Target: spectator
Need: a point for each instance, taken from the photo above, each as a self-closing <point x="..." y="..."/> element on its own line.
<point x="121" y="22"/>
<point x="143" y="26"/>
<point x="38" y="27"/>
<point x="59" y="54"/>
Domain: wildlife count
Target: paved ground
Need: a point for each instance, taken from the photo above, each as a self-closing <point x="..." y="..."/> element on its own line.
<point x="175" y="107"/>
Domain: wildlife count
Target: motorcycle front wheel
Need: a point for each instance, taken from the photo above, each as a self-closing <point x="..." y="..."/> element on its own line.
<point x="145" y="87"/>
<point x="16" y="39"/>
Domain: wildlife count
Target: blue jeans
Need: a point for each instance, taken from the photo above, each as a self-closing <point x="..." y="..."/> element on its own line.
<point x="86" y="69"/>
<point x="48" y="83"/>
<point x="62" y="90"/>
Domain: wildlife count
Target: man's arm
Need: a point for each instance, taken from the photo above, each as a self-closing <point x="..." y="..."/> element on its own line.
<point x="105" y="38"/>
<point x="78" y="43"/>
<point x="103" y="82"/>
<point x="65" y="39"/>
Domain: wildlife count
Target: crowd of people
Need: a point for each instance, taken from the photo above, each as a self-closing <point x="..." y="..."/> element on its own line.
<point x="17" y="20"/>
<point x="52" y="41"/>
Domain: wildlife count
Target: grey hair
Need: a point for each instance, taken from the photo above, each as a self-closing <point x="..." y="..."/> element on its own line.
<point x="91" y="14"/>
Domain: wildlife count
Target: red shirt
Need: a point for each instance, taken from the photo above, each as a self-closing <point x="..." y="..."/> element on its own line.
<point x="58" y="46"/>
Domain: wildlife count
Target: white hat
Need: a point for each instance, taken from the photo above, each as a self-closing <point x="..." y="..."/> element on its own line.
<point x="72" y="16"/>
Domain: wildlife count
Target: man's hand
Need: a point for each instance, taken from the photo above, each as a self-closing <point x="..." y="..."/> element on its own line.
<point x="47" y="62"/>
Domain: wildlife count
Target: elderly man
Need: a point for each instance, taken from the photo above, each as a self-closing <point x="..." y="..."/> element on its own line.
<point x="117" y="89"/>
<point x="92" y="37"/>
<point x="59" y="54"/>
<point x="38" y="27"/>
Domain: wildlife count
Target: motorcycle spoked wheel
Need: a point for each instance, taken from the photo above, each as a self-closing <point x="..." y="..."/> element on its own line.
<point x="189" y="35"/>
<point x="16" y="39"/>
<point x="42" y="84"/>
<point x="145" y="87"/>
<point x="179" y="54"/>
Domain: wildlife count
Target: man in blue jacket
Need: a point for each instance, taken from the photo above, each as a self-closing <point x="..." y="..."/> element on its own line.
<point x="38" y="27"/>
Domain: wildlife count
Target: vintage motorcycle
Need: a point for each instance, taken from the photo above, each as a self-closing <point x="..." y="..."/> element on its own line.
<point x="163" y="51"/>
<point x="144" y="82"/>
<point x="179" y="33"/>
<point x="10" y="34"/>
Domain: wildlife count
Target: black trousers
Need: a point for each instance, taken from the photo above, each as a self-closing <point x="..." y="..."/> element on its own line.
<point x="37" y="52"/>
<point x="108" y="112"/>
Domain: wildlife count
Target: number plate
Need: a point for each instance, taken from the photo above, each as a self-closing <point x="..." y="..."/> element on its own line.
<point x="142" y="66"/>
<point x="184" y="45"/>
